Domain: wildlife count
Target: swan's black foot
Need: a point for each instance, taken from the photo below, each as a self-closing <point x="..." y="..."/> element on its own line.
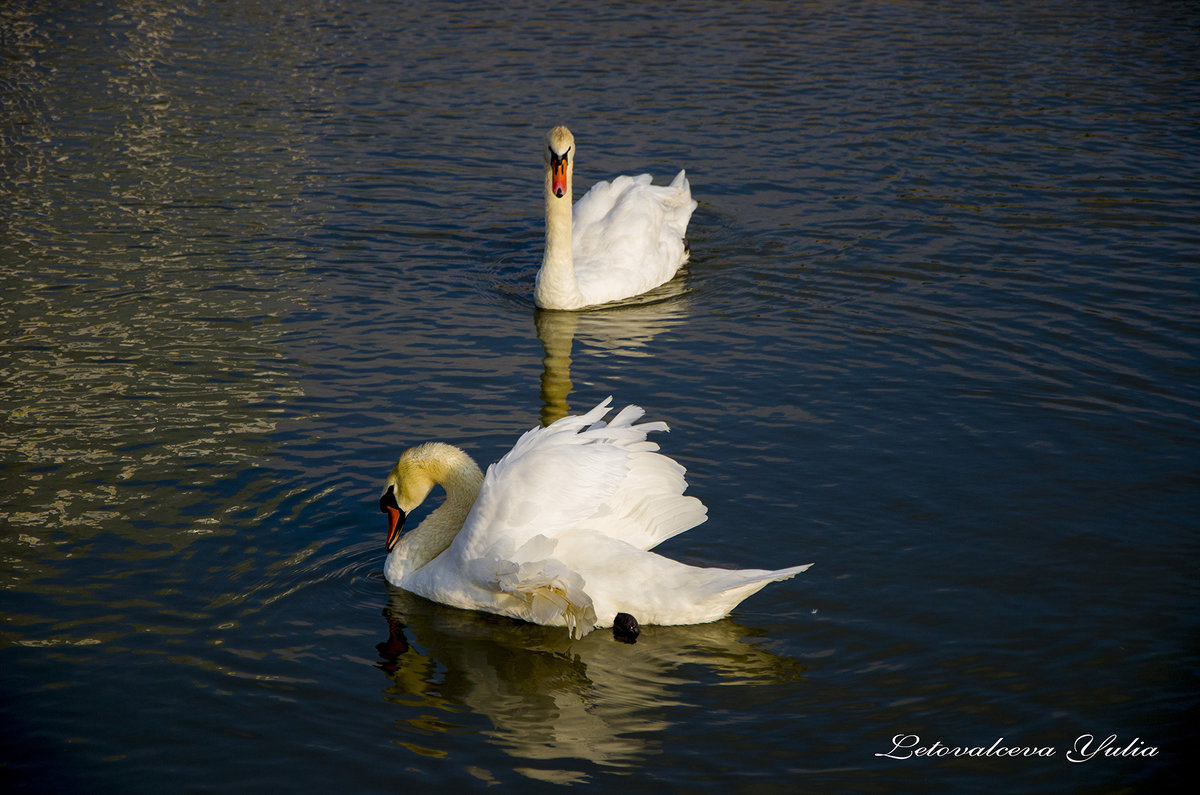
<point x="625" y="628"/>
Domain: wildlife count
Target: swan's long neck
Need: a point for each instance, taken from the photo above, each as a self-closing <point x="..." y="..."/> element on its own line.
<point x="461" y="478"/>
<point x="556" y="287"/>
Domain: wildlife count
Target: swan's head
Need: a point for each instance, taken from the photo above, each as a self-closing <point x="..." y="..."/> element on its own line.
<point x="560" y="151"/>
<point x="408" y="485"/>
<point x="414" y="476"/>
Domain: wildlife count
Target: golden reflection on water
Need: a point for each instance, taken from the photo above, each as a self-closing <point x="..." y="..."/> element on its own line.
<point x="142" y="309"/>
<point x="547" y="697"/>
<point x="622" y="330"/>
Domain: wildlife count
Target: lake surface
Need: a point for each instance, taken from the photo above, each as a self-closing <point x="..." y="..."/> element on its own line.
<point x="938" y="336"/>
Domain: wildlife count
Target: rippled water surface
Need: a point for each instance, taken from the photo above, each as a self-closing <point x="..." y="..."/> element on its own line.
<point x="938" y="335"/>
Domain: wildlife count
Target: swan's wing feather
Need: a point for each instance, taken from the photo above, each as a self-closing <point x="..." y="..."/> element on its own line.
<point x="527" y="582"/>
<point x="580" y="472"/>
<point x="628" y="235"/>
<point x="649" y="506"/>
<point x="538" y="586"/>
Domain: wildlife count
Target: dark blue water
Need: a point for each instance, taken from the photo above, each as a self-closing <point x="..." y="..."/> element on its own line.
<point x="939" y="336"/>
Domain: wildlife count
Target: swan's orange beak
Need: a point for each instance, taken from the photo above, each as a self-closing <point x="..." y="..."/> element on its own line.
<point x="387" y="504"/>
<point x="395" y="525"/>
<point x="558" y="174"/>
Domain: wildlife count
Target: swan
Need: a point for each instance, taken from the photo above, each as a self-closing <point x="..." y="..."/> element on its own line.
<point x="559" y="530"/>
<point x="623" y="238"/>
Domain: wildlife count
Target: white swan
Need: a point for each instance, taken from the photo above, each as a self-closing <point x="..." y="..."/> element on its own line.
<point x="559" y="530"/>
<point x="625" y="237"/>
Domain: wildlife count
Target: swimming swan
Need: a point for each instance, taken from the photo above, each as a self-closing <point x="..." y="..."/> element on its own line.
<point x="558" y="531"/>
<point x="624" y="237"/>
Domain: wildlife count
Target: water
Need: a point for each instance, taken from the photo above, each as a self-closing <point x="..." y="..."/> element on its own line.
<point x="938" y="336"/>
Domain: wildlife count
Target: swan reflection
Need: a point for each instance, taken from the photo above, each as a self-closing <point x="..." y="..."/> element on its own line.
<point x="550" y="698"/>
<point x="622" y="330"/>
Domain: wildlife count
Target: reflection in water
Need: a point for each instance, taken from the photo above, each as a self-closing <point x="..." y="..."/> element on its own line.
<point x="549" y="697"/>
<point x="622" y="330"/>
<point x="143" y="292"/>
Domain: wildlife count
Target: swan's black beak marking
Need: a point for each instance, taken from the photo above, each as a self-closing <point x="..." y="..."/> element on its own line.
<point x="388" y="505"/>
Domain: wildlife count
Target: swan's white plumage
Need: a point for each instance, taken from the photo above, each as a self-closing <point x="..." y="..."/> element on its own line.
<point x="560" y="529"/>
<point x="628" y="236"/>
<point x="621" y="239"/>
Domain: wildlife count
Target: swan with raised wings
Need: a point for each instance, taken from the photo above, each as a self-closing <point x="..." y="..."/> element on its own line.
<point x="621" y="239"/>
<point x="559" y="530"/>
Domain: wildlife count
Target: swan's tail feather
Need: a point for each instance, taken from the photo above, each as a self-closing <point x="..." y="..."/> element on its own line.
<point x="735" y="579"/>
<point x="727" y="589"/>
